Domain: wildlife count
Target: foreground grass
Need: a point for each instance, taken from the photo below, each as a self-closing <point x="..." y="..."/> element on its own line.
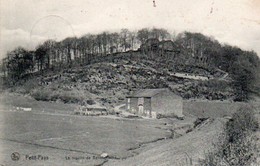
<point x="237" y="144"/>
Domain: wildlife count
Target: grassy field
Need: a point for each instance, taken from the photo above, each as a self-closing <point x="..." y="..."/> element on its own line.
<point x="9" y="101"/>
<point x="182" y="151"/>
<point x="88" y="135"/>
<point x="213" y="109"/>
<point x="51" y="130"/>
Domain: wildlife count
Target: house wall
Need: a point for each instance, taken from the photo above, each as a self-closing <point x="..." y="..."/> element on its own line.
<point x="167" y="104"/>
<point x="134" y="108"/>
<point x="147" y="107"/>
<point x="133" y="105"/>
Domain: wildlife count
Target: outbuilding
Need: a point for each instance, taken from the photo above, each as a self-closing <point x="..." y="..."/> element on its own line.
<point x="155" y="103"/>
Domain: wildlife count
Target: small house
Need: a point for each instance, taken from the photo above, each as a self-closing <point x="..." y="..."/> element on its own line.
<point x="155" y="103"/>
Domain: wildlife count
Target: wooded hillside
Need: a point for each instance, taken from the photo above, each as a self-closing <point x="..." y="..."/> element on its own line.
<point x="154" y="55"/>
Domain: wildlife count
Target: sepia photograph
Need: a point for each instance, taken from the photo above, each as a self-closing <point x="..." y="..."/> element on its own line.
<point x="129" y="83"/>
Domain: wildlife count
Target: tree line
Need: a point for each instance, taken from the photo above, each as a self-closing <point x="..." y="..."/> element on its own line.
<point x="57" y="54"/>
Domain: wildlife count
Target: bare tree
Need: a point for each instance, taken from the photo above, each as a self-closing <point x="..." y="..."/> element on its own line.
<point x="49" y="46"/>
<point x="160" y="34"/>
<point x="115" y="41"/>
<point x="132" y="37"/>
<point x="124" y="36"/>
<point x="143" y="35"/>
<point x="105" y="42"/>
<point x="67" y="45"/>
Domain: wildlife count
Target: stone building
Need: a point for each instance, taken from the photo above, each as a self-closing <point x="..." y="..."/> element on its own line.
<point x="155" y="103"/>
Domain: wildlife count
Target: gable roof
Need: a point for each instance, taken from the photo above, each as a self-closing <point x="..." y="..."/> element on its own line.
<point x="150" y="92"/>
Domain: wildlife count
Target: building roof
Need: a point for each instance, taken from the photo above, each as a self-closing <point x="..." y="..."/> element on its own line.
<point x="150" y="92"/>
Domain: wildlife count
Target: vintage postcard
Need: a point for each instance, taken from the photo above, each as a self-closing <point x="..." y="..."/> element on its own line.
<point x="129" y="82"/>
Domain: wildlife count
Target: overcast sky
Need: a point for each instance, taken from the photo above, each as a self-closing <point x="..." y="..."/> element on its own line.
<point x="28" y="22"/>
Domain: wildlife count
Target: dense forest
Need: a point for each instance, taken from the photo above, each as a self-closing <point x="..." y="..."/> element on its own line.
<point x="186" y="52"/>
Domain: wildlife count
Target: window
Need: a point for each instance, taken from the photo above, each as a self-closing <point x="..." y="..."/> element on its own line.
<point x="128" y="103"/>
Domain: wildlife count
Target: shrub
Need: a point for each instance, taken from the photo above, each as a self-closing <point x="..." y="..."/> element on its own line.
<point x="111" y="112"/>
<point x="64" y="96"/>
<point x="159" y="116"/>
<point x="237" y="143"/>
<point x="29" y="85"/>
<point x="91" y="102"/>
<point x="43" y="95"/>
<point x="70" y="97"/>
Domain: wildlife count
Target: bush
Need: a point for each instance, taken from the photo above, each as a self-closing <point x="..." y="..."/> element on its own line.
<point x="64" y="96"/>
<point x="91" y="102"/>
<point x="237" y="143"/>
<point x="28" y="86"/>
<point x="159" y="116"/>
<point x="43" y="95"/>
<point x="70" y="97"/>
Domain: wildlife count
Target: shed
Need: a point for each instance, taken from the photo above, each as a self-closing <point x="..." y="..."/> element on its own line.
<point x="154" y="103"/>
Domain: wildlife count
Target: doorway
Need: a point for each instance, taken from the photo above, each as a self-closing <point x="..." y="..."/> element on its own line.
<point x="141" y="109"/>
